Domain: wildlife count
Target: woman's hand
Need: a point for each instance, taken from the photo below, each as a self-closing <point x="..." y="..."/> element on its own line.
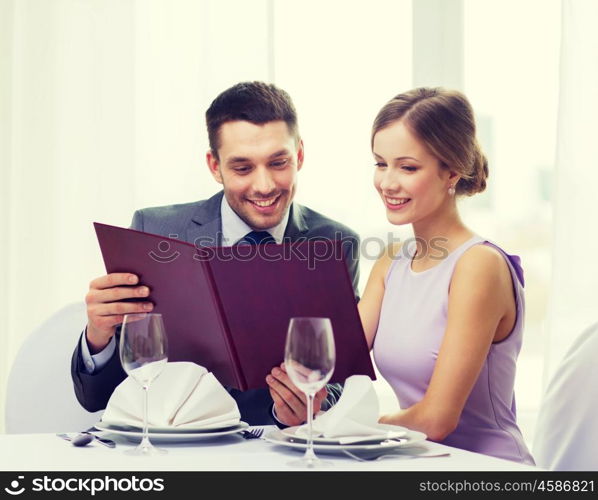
<point x="390" y="419"/>
<point x="434" y="424"/>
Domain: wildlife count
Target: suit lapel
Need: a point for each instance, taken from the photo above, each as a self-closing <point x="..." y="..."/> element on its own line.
<point x="297" y="226"/>
<point x="205" y="228"/>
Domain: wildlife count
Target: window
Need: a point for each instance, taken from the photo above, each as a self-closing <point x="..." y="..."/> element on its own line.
<point x="511" y="59"/>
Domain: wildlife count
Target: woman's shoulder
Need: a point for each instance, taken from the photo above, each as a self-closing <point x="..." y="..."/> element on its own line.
<point x="483" y="262"/>
<point x="483" y="252"/>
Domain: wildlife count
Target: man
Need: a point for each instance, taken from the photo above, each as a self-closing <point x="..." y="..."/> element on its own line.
<point x="255" y="153"/>
<point x="567" y="430"/>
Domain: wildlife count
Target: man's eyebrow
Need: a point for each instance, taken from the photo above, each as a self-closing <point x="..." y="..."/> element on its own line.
<point x="282" y="152"/>
<point x="243" y="159"/>
<point x="238" y="159"/>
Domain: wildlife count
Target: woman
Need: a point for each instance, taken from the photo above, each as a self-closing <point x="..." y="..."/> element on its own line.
<point x="444" y="313"/>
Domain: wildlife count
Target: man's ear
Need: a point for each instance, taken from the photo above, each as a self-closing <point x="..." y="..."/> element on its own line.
<point x="300" y="155"/>
<point x="214" y="166"/>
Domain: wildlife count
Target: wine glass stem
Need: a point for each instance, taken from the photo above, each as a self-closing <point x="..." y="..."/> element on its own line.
<point x="309" y="452"/>
<point x="145" y="440"/>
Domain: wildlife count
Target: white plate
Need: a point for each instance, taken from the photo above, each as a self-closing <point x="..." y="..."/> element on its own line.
<point x="413" y="438"/>
<point x="299" y="433"/>
<point x="173" y="436"/>
<point x="169" y="430"/>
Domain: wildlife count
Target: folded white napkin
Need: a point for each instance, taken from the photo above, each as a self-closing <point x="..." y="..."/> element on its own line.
<point x="185" y="396"/>
<point x="354" y="417"/>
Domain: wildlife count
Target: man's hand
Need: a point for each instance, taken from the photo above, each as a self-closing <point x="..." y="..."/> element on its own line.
<point x="290" y="404"/>
<point x="105" y="309"/>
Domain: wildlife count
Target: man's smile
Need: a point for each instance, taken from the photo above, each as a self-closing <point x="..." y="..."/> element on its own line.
<point x="265" y="205"/>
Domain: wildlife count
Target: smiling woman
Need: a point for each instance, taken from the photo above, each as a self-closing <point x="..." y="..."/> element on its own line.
<point x="421" y="149"/>
<point x="436" y="320"/>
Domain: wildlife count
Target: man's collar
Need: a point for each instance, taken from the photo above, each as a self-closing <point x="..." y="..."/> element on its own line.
<point x="234" y="228"/>
<point x="207" y="230"/>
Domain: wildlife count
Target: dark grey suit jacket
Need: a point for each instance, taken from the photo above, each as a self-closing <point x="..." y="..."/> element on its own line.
<point x="200" y="223"/>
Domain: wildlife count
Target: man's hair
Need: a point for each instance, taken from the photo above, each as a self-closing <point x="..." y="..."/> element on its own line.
<point x="255" y="102"/>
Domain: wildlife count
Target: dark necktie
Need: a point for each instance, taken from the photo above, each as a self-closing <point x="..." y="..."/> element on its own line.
<point x="257" y="238"/>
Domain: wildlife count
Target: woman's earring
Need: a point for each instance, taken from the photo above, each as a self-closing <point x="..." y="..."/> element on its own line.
<point x="451" y="191"/>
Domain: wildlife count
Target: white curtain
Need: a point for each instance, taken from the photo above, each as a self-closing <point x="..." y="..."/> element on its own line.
<point x="574" y="297"/>
<point x="102" y="112"/>
<point x="103" y="107"/>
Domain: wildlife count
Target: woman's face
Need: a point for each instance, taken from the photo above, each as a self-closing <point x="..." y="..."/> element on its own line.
<point x="410" y="180"/>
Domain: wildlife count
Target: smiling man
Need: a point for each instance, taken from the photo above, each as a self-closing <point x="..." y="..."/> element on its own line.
<point x="255" y="153"/>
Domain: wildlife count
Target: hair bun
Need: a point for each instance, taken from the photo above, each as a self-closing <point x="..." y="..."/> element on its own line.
<point x="476" y="182"/>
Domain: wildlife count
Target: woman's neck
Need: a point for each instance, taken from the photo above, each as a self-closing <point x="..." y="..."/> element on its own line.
<point x="440" y="234"/>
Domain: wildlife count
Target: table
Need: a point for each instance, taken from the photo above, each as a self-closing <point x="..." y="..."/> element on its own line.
<point x="46" y="452"/>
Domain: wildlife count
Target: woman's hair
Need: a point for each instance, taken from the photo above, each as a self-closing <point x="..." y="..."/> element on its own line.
<point x="443" y="120"/>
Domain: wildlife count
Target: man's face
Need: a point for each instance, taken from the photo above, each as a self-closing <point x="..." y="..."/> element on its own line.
<point x="257" y="167"/>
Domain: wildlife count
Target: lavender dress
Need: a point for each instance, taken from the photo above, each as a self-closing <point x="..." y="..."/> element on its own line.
<point x="411" y="328"/>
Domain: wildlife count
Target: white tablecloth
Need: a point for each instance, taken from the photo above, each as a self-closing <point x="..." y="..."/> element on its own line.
<point x="46" y="452"/>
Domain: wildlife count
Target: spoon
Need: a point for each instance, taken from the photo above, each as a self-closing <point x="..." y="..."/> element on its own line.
<point x="81" y="439"/>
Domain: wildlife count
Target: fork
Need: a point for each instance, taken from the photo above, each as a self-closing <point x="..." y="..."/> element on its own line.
<point x="252" y="433"/>
<point x="373" y="458"/>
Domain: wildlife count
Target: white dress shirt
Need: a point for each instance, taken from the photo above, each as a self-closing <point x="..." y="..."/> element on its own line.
<point x="234" y="228"/>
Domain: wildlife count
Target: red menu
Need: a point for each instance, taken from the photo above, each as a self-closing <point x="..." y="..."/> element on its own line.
<point x="228" y="308"/>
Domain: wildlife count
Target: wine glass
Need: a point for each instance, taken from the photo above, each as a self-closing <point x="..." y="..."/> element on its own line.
<point x="309" y="360"/>
<point x="143" y="355"/>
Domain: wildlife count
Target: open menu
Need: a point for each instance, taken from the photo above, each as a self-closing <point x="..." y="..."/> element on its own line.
<point x="228" y="308"/>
